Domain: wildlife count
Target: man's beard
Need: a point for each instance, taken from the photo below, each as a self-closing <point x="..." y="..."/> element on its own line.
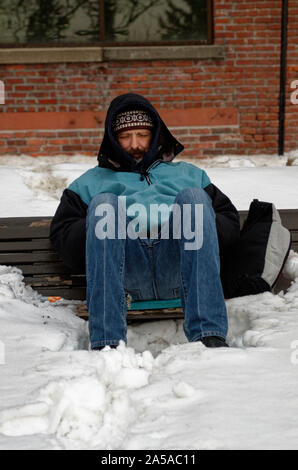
<point x="138" y="154"/>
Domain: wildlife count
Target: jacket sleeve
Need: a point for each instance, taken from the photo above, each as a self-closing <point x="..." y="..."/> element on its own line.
<point x="68" y="231"/>
<point x="227" y="218"/>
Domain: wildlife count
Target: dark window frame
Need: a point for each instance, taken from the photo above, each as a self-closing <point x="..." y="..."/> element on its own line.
<point x="103" y="43"/>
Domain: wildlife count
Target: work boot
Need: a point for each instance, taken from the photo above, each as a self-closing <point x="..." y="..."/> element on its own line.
<point x="214" y="342"/>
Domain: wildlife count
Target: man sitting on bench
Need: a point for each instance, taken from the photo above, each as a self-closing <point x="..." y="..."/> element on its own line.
<point x="142" y="225"/>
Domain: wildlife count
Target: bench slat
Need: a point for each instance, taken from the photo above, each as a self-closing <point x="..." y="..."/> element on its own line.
<point x="44" y="268"/>
<point x="28" y="245"/>
<point x="24" y="227"/>
<point x="48" y="281"/>
<point x="73" y="293"/>
<point x="56" y="280"/>
<point x="13" y="258"/>
<point x="45" y="244"/>
<point x="289" y="218"/>
<point x="294" y="235"/>
<point x="39" y="227"/>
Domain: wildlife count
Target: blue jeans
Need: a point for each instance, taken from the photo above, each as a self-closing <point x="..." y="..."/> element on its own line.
<point x="150" y="269"/>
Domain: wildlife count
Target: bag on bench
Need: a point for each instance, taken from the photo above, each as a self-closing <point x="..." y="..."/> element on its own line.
<point x="255" y="263"/>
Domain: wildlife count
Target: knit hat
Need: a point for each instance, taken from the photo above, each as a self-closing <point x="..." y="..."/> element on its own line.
<point x="134" y="119"/>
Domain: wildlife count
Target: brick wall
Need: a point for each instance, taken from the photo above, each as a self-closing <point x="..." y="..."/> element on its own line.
<point x="60" y="108"/>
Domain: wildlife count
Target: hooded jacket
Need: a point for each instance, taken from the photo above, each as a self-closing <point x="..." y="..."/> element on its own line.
<point x="155" y="179"/>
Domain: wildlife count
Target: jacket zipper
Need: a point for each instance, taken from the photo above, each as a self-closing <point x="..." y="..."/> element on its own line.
<point x="147" y="179"/>
<point x="146" y="175"/>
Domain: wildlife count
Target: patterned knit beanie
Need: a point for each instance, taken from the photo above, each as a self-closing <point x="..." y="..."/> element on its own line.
<point x="134" y="119"/>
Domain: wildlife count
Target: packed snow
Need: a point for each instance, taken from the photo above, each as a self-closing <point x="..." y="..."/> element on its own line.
<point x="159" y="391"/>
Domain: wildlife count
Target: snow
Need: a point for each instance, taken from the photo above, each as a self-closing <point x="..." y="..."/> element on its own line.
<point x="39" y="182"/>
<point x="159" y="391"/>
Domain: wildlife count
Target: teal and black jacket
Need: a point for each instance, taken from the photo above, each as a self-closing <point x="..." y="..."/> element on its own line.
<point x="154" y="180"/>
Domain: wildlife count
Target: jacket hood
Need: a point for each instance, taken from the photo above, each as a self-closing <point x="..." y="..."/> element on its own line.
<point x="163" y="145"/>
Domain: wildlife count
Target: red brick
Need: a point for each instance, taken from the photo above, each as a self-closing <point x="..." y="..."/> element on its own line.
<point x="59" y="141"/>
<point x="247" y="79"/>
<point x="32" y="142"/>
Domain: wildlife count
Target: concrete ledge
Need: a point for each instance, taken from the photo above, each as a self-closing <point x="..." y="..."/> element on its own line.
<point x="164" y="52"/>
<point x="45" y="55"/>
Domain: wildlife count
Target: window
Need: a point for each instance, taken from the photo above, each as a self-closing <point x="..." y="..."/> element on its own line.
<point x="104" y="22"/>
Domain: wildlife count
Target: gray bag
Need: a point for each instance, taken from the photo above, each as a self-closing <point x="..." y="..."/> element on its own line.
<point x="257" y="260"/>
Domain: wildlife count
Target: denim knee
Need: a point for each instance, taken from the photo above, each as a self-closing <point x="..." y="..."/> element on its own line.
<point x="102" y="198"/>
<point x="192" y="196"/>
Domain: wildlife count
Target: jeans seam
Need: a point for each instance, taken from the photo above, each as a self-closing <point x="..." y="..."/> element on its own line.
<point x="184" y="290"/>
<point x="184" y="294"/>
<point x="150" y="248"/>
<point x="123" y="300"/>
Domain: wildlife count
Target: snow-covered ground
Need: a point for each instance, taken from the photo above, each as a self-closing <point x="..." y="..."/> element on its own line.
<point x="159" y="392"/>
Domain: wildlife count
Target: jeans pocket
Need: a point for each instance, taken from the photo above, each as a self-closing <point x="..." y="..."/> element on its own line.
<point x="176" y="292"/>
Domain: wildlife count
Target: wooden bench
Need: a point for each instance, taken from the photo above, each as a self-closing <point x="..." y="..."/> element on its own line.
<point x="24" y="243"/>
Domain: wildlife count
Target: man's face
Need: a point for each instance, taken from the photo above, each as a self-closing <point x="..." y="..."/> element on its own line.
<point x="135" y="142"/>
